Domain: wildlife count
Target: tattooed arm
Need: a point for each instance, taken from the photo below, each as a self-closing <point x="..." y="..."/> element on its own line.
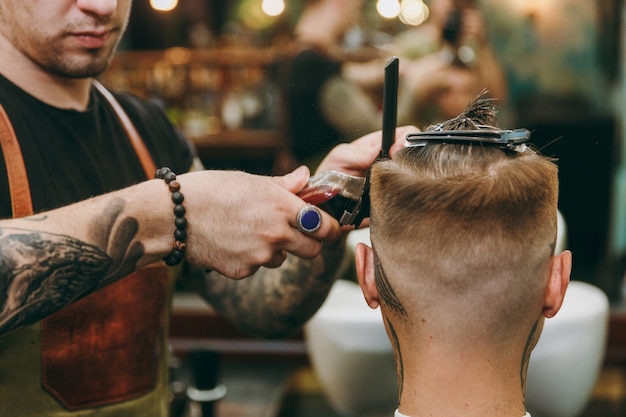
<point x="54" y="258"/>
<point x="274" y="302"/>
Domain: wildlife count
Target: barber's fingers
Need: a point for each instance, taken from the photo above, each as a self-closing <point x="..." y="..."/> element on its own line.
<point x="401" y="134"/>
<point x="372" y="144"/>
<point x="295" y="180"/>
<point x="276" y="260"/>
<point x="316" y="223"/>
<point x="308" y="244"/>
<point x="316" y="226"/>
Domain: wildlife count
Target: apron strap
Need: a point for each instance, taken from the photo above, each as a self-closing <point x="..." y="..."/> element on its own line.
<point x="21" y="202"/>
<point x="147" y="163"/>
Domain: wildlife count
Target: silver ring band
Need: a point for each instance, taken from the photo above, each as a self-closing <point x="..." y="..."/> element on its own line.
<point x="309" y="219"/>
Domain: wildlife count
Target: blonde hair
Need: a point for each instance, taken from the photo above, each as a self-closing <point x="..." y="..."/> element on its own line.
<point x="465" y="227"/>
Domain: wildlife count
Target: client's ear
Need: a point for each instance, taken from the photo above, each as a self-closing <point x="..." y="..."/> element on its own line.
<point x="365" y="274"/>
<point x="560" y="269"/>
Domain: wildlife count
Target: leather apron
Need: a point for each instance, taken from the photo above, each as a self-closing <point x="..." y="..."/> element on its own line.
<point x="107" y="347"/>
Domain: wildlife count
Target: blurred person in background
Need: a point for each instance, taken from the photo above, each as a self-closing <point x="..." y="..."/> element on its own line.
<point x="451" y="59"/>
<point x="328" y="95"/>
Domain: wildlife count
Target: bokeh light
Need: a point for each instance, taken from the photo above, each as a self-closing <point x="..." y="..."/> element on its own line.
<point x="388" y="8"/>
<point x="413" y="12"/>
<point x="163" y="5"/>
<point x="273" y="7"/>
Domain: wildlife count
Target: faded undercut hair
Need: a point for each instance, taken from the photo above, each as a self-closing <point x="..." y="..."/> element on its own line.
<point x="459" y="224"/>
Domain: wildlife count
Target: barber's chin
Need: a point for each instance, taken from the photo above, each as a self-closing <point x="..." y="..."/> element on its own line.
<point x="84" y="67"/>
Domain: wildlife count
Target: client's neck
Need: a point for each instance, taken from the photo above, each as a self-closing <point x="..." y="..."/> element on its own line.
<point x="460" y="384"/>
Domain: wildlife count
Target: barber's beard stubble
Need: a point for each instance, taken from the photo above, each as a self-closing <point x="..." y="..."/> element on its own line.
<point x="66" y="67"/>
<point x="61" y="57"/>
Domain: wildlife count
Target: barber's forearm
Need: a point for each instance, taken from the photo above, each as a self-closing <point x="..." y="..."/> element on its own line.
<point x="134" y="224"/>
<point x="276" y="302"/>
<point x="54" y="258"/>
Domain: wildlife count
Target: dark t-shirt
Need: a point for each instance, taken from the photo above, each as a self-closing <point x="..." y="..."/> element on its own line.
<point x="71" y="155"/>
<point x="308" y="131"/>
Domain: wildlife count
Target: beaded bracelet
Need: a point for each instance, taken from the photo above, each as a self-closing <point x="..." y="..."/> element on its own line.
<point x="180" y="235"/>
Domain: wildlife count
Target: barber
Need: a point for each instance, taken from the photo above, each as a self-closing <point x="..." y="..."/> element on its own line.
<point x="84" y="296"/>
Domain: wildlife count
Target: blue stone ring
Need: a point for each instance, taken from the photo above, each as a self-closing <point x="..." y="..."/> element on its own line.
<point x="309" y="219"/>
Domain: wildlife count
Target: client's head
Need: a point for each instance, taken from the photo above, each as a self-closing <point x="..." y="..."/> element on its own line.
<point x="462" y="261"/>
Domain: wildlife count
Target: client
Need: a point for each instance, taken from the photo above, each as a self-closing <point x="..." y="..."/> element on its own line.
<point x="462" y="265"/>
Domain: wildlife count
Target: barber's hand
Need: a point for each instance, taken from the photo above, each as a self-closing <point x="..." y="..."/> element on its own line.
<point x="239" y="222"/>
<point x="355" y="158"/>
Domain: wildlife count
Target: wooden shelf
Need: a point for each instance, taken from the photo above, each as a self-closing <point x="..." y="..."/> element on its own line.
<point x="242" y="138"/>
<point x="226" y="100"/>
<point x="182" y="56"/>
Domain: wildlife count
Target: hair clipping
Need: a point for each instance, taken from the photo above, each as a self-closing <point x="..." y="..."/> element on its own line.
<point x="507" y="139"/>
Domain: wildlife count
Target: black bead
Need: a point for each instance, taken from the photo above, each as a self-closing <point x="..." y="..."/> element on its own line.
<point x="178" y="197"/>
<point x="179" y="210"/>
<point x="180" y="222"/>
<point x="180" y="234"/>
<point x="169" y="177"/>
<point x="174" y="258"/>
<point x="160" y="173"/>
